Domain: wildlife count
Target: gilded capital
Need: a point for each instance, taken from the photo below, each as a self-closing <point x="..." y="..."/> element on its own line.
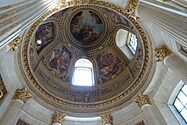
<point x="131" y="7"/>
<point x="1" y="92"/>
<point x="107" y="119"/>
<point x="15" y="43"/>
<point x="22" y="94"/>
<point x="63" y="3"/>
<point x="142" y="100"/>
<point x="162" y="52"/>
<point x="57" y="117"/>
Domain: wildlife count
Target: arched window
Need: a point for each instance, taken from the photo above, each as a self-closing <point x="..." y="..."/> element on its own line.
<point x="180" y="102"/>
<point x="127" y="42"/>
<point x="83" y="73"/>
<point x="132" y="43"/>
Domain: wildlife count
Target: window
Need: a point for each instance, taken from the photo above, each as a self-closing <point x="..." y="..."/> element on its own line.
<point x="125" y="40"/>
<point x="83" y="73"/>
<point x="133" y="43"/>
<point x="180" y="102"/>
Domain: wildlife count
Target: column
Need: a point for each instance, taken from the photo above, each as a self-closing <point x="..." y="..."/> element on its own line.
<point x="173" y="61"/>
<point x="57" y="118"/>
<point x="17" y="16"/>
<point x="107" y="119"/>
<point x="168" y="20"/>
<point x="149" y="113"/>
<point x="18" y="100"/>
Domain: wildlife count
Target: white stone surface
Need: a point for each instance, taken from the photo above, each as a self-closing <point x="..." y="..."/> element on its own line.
<point x="150" y="115"/>
<point x="163" y="94"/>
<point x="12" y="114"/>
<point x="178" y="65"/>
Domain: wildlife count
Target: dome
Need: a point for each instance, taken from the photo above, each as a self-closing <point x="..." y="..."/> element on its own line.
<point x="52" y="47"/>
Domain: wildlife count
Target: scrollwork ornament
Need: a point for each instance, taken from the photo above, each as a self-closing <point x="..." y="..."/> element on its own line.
<point x="22" y="94"/>
<point x="131" y="7"/>
<point x="107" y="119"/>
<point x="161" y="53"/>
<point x="57" y="117"/>
<point x="142" y="100"/>
<point x="15" y="43"/>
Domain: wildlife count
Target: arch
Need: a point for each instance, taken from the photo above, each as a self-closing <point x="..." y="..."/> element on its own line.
<point x="83" y="74"/>
<point x="126" y="42"/>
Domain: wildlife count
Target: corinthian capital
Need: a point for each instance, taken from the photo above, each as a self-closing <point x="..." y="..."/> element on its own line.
<point x="107" y="119"/>
<point x="57" y="117"/>
<point x="142" y="100"/>
<point x="1" y="92"/>
<point x="131" y="7"/>
<point x="22" y="94"/>
<point x="162" y="52"/>
<point x="15" y="43"/>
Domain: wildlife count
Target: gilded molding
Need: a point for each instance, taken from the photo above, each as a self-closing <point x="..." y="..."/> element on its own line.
<point x="161" y="53"/>
<point x="15" y="43"/>
<point x="142" y="100"/>
<point x="57" y="117"/>
<point x="107" y="119"/>
<point x="22" y="94"/>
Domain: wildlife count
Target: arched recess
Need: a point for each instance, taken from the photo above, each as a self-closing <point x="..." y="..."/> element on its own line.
<point x="127" y="42"/>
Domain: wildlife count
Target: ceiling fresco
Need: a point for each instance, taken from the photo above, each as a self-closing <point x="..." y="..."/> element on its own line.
<point x="44" y="36"/>
<point x="84" y="31"/>
<point x="86" y="26"/>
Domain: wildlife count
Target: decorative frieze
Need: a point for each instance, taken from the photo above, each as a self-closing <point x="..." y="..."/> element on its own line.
<point x="22" y="94"/>
<point x="107" y="119"/>
<point x="161" y="53"/>
<point x="142" y="100"/>
<point x="57" y="117"/>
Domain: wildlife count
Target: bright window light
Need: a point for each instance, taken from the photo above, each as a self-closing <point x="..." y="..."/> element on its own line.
<point x="83" y="73"/>
<point x="180" y="102"/>
<point x="133" y="43"/>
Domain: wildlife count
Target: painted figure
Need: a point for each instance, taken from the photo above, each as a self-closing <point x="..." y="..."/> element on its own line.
<point x="86" y="26"/>
<point x="60" y="60"/>
<point x="44" y="36"/>
<point x="109" y="65"/>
